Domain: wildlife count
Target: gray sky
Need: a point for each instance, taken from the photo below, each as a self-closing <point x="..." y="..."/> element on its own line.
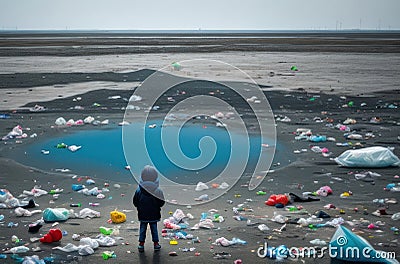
<point x="204" y="14"/>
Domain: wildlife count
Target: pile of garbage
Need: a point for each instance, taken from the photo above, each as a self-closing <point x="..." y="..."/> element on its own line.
<point x="15" y="133"/>
<point x="61" y="121"/>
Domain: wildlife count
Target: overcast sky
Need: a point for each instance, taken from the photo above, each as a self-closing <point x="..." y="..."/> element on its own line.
<point x="204" y="14"/>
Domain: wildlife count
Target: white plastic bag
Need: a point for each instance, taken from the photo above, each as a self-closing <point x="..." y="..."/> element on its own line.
<point x="55" y="214"/>
<point x="373" y="157"/>
<point x="60" y="121"/>
<point x="201" y="186"/>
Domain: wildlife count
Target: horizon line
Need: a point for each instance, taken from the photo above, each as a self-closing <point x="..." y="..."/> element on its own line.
<point x="202" y="30"/>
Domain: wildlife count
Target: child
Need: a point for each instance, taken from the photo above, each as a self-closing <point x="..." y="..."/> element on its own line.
<point x="148" y="200"/>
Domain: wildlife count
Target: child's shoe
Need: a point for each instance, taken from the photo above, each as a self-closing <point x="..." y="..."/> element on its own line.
<point x="157" y="246"/>
<point x="141" y="247"/>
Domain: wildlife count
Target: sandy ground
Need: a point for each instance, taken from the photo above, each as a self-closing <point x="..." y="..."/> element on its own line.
<point x="344" y="73"/>
<point x="348" y="73"/>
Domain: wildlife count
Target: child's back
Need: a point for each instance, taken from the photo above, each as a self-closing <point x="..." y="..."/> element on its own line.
<point x="148" y="200"/>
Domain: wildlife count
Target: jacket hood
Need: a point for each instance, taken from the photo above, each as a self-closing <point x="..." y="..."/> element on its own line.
<point x="149" y="186"/>
<point x="149" y="173"/>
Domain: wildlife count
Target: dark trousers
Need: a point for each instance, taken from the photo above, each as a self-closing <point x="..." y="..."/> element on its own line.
<point x="143" y="230"/>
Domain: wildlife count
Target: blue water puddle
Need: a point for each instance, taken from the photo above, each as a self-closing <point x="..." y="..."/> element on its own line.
<point x="102" y="153"/>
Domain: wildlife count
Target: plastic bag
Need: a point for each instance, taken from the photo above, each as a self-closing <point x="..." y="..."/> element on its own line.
<point x="277" y="199"/>
<point x="223" y="186"/>
<point x="88" y="213"/>
<point x="87" y="241"/>
<point x="54" y="235"/>
<point x="60" y="121"/>
<point x="85" y="251"/>
<point x="16" y="132"/>
<point x="178" y="215"/>
<point x="19" y="249"/>
<point x="68" y="248"/>
<point x="55" y="214"/>
<point x="105" y="241"/>
<point x="375" y="157"/>
<point x="117" y="217"/>
<point x="88" y="120"/>
<point x="19" y="211"/>
<point x="201" y="187"/>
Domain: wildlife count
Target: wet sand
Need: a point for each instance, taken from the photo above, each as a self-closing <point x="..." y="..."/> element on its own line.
<point x="308" y="172"/>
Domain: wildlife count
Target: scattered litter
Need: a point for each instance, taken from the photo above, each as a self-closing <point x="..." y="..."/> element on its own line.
<point x="124" y="123"/>
<point x="367" y="176"/>
<point x="16" y="132"/>
<point x="324" y="191"/>
<point x="88" y="213"/>
<point x="275" y="199"/>
<point x="318" y="242"/>
<point x="74" y="148"/>
<point x="263" y="227"/>
<point x="135" y="98"/>
<point x="88" y="120"/>
<point x="349" y="121"/>
<point x="317" y="138"/>
<point x="222" y="255"/>
<point x="60" y="121"/>
<point x="19" y="249"/>
<point x="5" y="116"/>
<point x="353" y="136"/>
<point x="23" y="212"/>
<point x="201" y="187"/>
<point x="396" y="216"/>
<point x="176" y="66"/>
<point x="223" y="186"/>
<point x="226" y="243"/>
<point x="203" y="197"/>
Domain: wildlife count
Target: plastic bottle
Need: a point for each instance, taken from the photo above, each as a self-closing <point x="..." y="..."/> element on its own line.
<point x="94" y="204"/>
<point x="15" y="239"/>
<point x="77" y="187"/>
<point x="239" y="218"/>
<point x="203" y="216"/>
<point x="107" y="254"/>
<point x="75" y="205"/>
